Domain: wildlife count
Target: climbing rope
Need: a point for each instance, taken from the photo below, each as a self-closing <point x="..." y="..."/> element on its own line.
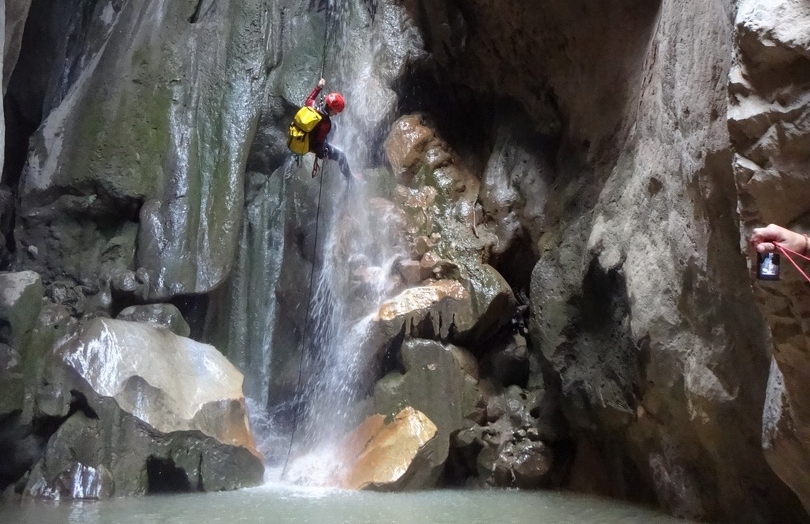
<point x="327" y="20"/>
<point x="305" y="332"/>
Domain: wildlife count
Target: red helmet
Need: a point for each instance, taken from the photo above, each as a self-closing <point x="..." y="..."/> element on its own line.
<point x="335" y="102"/>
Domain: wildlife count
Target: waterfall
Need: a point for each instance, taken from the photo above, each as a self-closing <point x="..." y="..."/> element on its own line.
<point x="354" y="280"/>
<point x="357" y="253"/>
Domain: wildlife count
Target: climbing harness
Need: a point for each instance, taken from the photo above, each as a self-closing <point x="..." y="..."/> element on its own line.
<point x="787" y="252"/>
<point x="305" y="332"/>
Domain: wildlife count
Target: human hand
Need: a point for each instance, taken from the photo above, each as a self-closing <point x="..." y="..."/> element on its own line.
<point x="321" y="82"/>
<point x="765" y="239"/>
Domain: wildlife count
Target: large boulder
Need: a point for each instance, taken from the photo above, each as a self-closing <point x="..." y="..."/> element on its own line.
<point x="512" y="443"/>
<point x="21" y="297"/>
<point x="158" y="407"/>
<point x="409" y="144"/>
<point x="162" y="314"/>
<point x="440" y="381"/>
<point x="430" y="311"/>
<point x="392" y="455"/>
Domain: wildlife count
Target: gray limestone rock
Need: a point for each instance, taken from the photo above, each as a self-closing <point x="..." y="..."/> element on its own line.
<point x="163" y="314"/>
<point x="6" y="223"/>
<point x="507" y="448"/>
<point x="15" y="14"/>
<point x="152" y="136"/>
<point x="768" y="127"/>
<point x="641" y="300"/>
<point x="508" y="363"/>
<point x="437" y="310"/>
<point x="20" y="303"/>
<point x="629" y="191"/>
<point x="144" y="405"/>
<point x="11" y="380"/>
<point x="440" y="381"/>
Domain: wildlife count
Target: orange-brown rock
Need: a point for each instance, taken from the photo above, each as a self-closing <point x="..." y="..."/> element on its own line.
<point x="408" y="145"/>
<point x="387" y="456"/>
<point x="419" y="298"/>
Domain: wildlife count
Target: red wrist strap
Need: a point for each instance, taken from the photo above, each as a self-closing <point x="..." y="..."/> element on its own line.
<point x="785" y="251"/>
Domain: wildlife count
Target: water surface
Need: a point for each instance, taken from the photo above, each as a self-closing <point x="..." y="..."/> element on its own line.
<point x="282" y="505"/>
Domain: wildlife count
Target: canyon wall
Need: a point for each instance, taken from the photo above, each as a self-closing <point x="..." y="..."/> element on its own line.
<point x="593" y="168"/>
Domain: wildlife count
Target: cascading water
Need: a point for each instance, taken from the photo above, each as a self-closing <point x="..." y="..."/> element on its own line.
<point x="354" y="280"/>
<point x="358" y="249"/>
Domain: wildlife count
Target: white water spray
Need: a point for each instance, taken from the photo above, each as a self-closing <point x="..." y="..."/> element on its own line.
<point x="354" y="280"/>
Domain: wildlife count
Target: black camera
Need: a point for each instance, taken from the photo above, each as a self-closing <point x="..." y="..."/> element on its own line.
<point x="768" y="266"/>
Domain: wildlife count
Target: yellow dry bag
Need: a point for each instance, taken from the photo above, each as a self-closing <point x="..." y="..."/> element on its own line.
<point x="298" y="135"/>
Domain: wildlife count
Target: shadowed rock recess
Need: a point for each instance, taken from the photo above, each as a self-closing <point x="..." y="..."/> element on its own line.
<point x="546" y="269"/>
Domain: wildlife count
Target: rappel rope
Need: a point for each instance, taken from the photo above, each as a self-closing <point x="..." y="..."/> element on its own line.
<point x="312" y="270"/>
<point x="315" y="167"/>
<point x="785" y="251"/>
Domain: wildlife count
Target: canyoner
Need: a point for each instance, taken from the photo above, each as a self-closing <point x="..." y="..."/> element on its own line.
<point x="309" y="130"/>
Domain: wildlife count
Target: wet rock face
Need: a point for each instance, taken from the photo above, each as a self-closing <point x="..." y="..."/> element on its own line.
<point x="431" y="310"/>
<point x="6" y="225"/>
<point x="20" y="303"/>
<point x="768" y="127"/>
<point x="20" y="446"/>
<point x="136" y="411"/>
<point x="163" y="314"/>
<point x="604" y="154"/>
<point x="14" y="18"/>
<point x="524" y="52"/>
<point x="11" y="379"/>
<point x="437" y="194"/>
<point x="104" y="356"/>
<point x="640" y="300"/>
<point x="507" y="447"/>
<point x="609" y="365"/>
<point x="515" y="198"/>
<point x="113" y="166"/>
<point x="439" y="381"/>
